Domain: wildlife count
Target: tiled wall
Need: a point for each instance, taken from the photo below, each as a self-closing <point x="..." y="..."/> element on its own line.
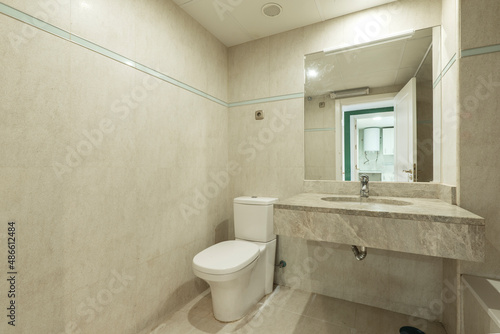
<point x="108" y="171"/>
<point x="476" y="320"/>
<point x="479" y="120"/>
<point x="273" y="66"/>
<point x="319" y="139"/>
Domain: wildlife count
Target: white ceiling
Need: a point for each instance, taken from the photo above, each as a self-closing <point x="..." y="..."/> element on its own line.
<point x="383" y="65"/>
<point x="235" y="22"/>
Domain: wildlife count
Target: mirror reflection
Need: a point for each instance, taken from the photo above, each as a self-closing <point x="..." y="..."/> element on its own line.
<point x="368" y="109"/>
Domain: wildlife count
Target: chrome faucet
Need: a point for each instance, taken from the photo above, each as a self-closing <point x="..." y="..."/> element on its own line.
<point x="365" y="191"/>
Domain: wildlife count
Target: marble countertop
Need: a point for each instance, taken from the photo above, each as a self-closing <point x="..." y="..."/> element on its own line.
<point x="421" y="209"/>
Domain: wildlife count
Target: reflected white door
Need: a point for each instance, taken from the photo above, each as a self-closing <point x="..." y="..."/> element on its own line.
<point x="405" y="120"/>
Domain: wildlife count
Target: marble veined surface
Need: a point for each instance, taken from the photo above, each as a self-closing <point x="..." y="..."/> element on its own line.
<point x="426" y="209"/>
<point x="413" y="225"/>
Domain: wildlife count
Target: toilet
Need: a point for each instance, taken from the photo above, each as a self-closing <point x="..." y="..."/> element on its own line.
<point x="240" y="272"/>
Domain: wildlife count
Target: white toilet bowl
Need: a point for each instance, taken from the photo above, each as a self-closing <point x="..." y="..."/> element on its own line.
<point x="237" y="272"/>
<point x="240" y="272"/>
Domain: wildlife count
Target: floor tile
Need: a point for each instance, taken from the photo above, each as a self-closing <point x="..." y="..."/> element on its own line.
<point x="292" y="311"/>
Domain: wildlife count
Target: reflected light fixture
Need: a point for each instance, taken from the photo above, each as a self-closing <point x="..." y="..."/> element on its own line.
<point x="312" y="73"/>
<point x="390" y="38"/>
<point x="350" y="92"/>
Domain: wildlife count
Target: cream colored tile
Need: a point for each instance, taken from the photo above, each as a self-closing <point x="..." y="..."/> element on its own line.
<point x="310" y="325"/>
<point x="327" y="34"/>
<point x="167" y="47"/>
<point x="331" y="310"/>
<point x="421" y="273"/>
<point x="110" y="24"/>
<point x="45" y="79"/>
<point x="279" y="322"/>
<point x="286" y="63"/>
<point x="373" y="320"/>
<point x="477" y="167"/>
<point x="449" y="31"/>
<point x="476" y="320"/>
<point x="479" y="23"/>
<point x="249" y="74"/>
<point x="31" y="316"/>
<point x="290" y="299"/>
<point x="449" y="126"/>
<point x="101" y="110"/>
<point x="206" y="324"/>
<point x="56" y="13"/>
<point x="178" y="324"/>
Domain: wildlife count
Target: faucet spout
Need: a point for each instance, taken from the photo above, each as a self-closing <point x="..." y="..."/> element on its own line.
<point x="364" y="191"/>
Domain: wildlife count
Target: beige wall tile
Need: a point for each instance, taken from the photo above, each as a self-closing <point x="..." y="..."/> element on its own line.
<point x="450" y="295"/>
<point x="119" y="205"/>
<point x="111" y="24"/>
<point x="449" y="31"/>
<point x="286" y="62"/>
<point x="449" y="126"/>
<point x="479" y="138"/>
<point x="479" y="23"/>
<point x="56" y="13"/>
<point x="476" y="320"/>
<point x="172" y="38"/>
<point x="381" y="280"/>
<point x="320" y="36"/>
<point x="249" y="70"/>
<point x="48" y="97"/>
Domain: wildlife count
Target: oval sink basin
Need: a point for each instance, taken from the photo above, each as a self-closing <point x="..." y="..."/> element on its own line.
<point x="365" y="200"/>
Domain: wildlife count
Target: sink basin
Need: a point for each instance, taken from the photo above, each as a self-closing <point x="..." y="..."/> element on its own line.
<point x="365" y="200"/>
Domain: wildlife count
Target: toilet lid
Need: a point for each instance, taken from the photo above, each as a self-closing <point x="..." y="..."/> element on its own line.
<point x="226" y="257"/>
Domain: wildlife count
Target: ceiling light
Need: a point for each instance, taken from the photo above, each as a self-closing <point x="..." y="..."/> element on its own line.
<point x="271" y="9"/>
<point x="312" y="73"/>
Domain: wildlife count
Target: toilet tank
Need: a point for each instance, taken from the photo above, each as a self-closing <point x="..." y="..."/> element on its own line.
<point x="253" y="218"/>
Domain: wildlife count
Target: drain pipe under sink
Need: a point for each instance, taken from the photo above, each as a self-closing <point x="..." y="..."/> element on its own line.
<point x="359" y="252"/>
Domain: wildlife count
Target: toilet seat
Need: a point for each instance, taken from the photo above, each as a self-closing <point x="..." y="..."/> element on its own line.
<point x="226" y="257"/>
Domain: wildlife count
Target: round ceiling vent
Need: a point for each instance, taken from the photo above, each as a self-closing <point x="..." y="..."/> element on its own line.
<point x="271" y="9"/>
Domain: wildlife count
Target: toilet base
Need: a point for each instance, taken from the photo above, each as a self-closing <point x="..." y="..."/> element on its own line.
<point x="234" y="295"/>
<point x="231" y="301"/>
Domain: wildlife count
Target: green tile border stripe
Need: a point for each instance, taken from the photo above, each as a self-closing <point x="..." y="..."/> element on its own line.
<point x="446" y="68"/>
<point x="42" y="25"/>
<point x="267" y="99"/>
<point x="481" y="51"/>
<point x="450" y="64"/>
<point x="438" y="80"/>
<point x="319" y="129"/>
<point x="33" y="21"/>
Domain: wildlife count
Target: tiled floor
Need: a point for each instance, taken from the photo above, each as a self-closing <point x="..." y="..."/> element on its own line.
<point x="290" y="311"/>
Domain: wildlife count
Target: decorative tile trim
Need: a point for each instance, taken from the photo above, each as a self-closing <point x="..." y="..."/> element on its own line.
<point x="450" y="64"/>
<point x="446" y="68"/>
<point x="481" y="51"/>
<point x="319" y="129"/>
<point x="33" y="21"/>
<point x="44" y="26"/>
<point x="267" y="99"/>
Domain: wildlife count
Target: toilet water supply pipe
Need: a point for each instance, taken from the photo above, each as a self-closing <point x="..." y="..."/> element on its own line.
<point x="359" y="253"/>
